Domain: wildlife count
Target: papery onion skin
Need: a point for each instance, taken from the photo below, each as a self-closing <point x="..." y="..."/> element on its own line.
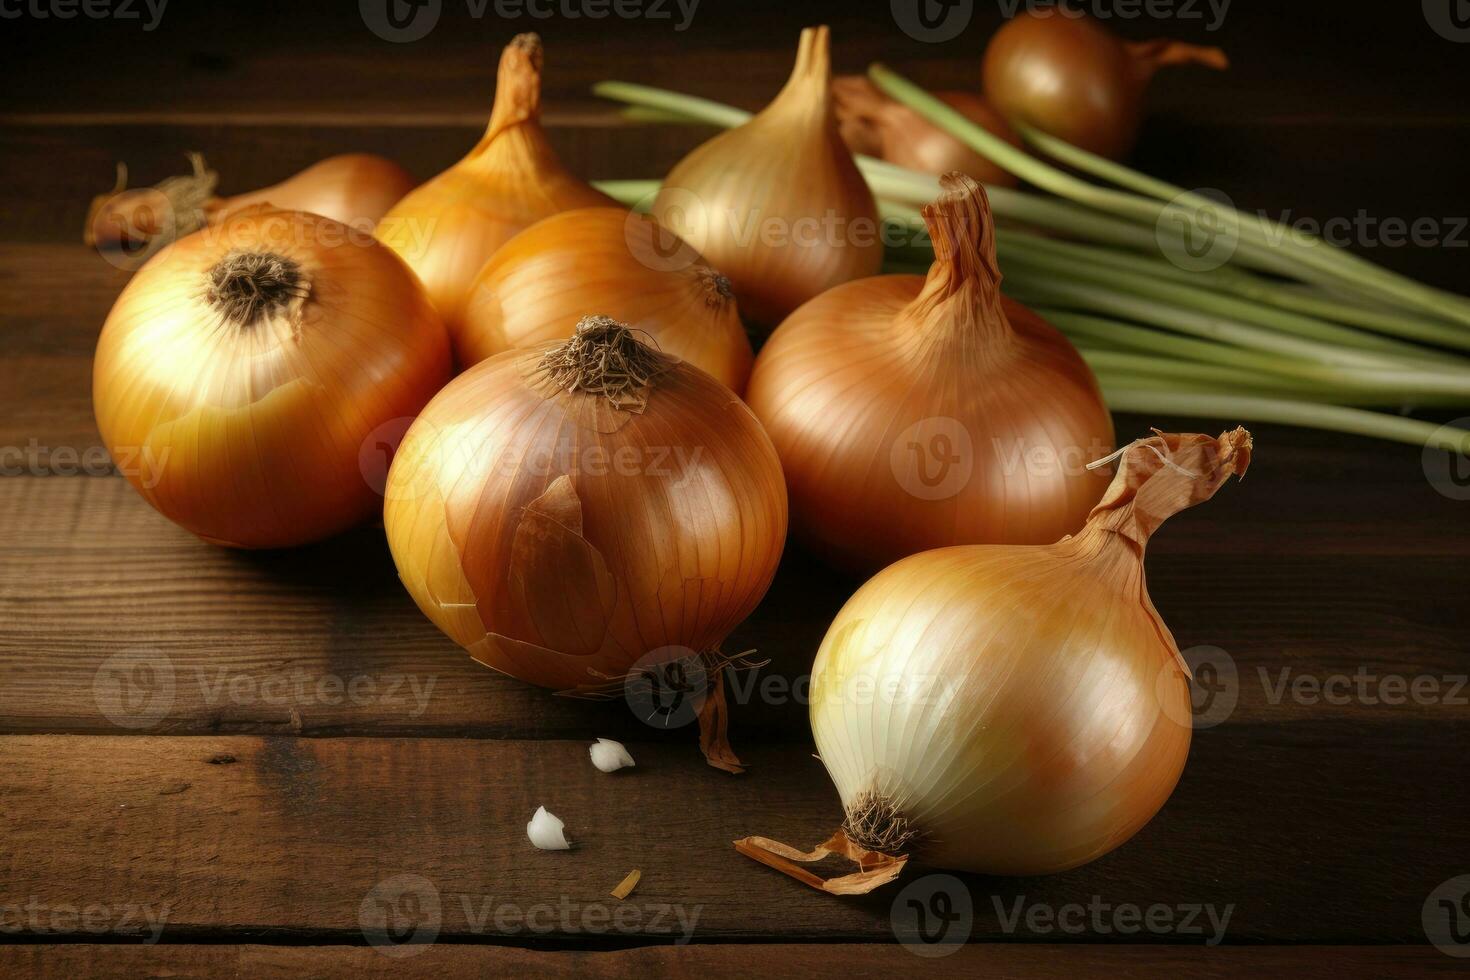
<point x="563" y="540"/>
<point x="254" y="434"/>
<point x="1023" y="710"/>
<point x="907" y="421"/>
<point x="876" y="125"/>
<point x="1069" y="76"/>
<point x="536" y="287"/>
<point x="448" y="228"/>
<point x="777" y="204"/>
<point x="356" y="189"/>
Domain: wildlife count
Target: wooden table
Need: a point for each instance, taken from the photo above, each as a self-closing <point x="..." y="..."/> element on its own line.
<point x="307" y="746"/>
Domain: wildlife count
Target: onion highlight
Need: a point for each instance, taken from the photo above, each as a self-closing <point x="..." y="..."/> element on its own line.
<point x="447" y="229"/>
<point x="1011" y="710"/>
<point x="578" y="512"/>
<point x="1068" y="75"/>
<point x="915" y="413"/>
<point x="247" y="372"/>
<point x="536" y="287"/>
<point x="777" y="204"/>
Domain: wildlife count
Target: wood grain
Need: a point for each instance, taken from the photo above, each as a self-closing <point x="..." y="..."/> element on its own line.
<point x="95" y="582"/>
<point x="289" y="836"/>
<point x="699" y="962"/>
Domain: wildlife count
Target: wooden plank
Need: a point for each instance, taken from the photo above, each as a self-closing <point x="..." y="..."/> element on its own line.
<point x="261" y="837"/>
<point x="94" y="582"/>
<point x="64" y="962"/>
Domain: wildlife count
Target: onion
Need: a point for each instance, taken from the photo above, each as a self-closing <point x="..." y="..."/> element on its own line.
<point x="777" y="204"/>
<point x="354" y="188"/>
<point x="537" y="285"/>
<point x="1007" y="709"/>
<point x="915" y="413"/>
<point x="247" y="368"/>
<point x="580" y="511"/>
<point x="1069" y="76"/>
<point x="875" y="125"/>
<point x="447" y="228"/>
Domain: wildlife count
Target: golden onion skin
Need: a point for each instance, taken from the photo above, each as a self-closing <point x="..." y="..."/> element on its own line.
<point x="254" y="435"/>
<point x="1024" y="709"/>
<point x="519" y="532"/>
<point x="777" y="204"/>
<point x="537" y="285"/>
<point x="447" y="228"/>
<point x="917" y="412"/>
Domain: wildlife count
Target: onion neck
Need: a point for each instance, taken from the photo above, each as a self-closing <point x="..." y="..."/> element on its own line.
<point x="247" y="287"/>
<point x="1147" y="57"/>
<point x="961" y="301"/>
<point x="1157" y="478"/>
<point x="809" y="89"/>
<point x="517" y="88"/>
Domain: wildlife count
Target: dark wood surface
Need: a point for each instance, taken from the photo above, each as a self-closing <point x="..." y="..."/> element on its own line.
<point x="261" y="808"/>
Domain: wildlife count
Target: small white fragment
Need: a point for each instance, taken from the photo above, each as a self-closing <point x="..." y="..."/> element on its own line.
<point x="609" y="756"/>
<point x="545" y="831"/>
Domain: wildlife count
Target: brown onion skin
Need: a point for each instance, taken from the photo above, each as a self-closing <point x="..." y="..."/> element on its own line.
<point x="1071" y="77"/>
<point x="688" y="551"/>
<point x="257" y="436"/>
<point x="537" y="285"/>
<point x="875" y="125"/>
<point x="916" y="412"/>
<point x="777" y="204"/>
<point x="354" y="188"/>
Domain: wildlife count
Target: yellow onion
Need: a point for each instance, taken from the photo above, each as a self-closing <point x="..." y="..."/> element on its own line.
<point x="246" y="375"/>
<point x="777" y="204"/>
<point x="1068" y="75"/>
<point x="446" y="229"/>
<point x="539" y="283"/>
<point x="1011" y="709"/>
<point x="354" y="188"/>
<point x="913" y="413"/>
<point x="578" y="511"/>
<point x="879" y="126"/>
